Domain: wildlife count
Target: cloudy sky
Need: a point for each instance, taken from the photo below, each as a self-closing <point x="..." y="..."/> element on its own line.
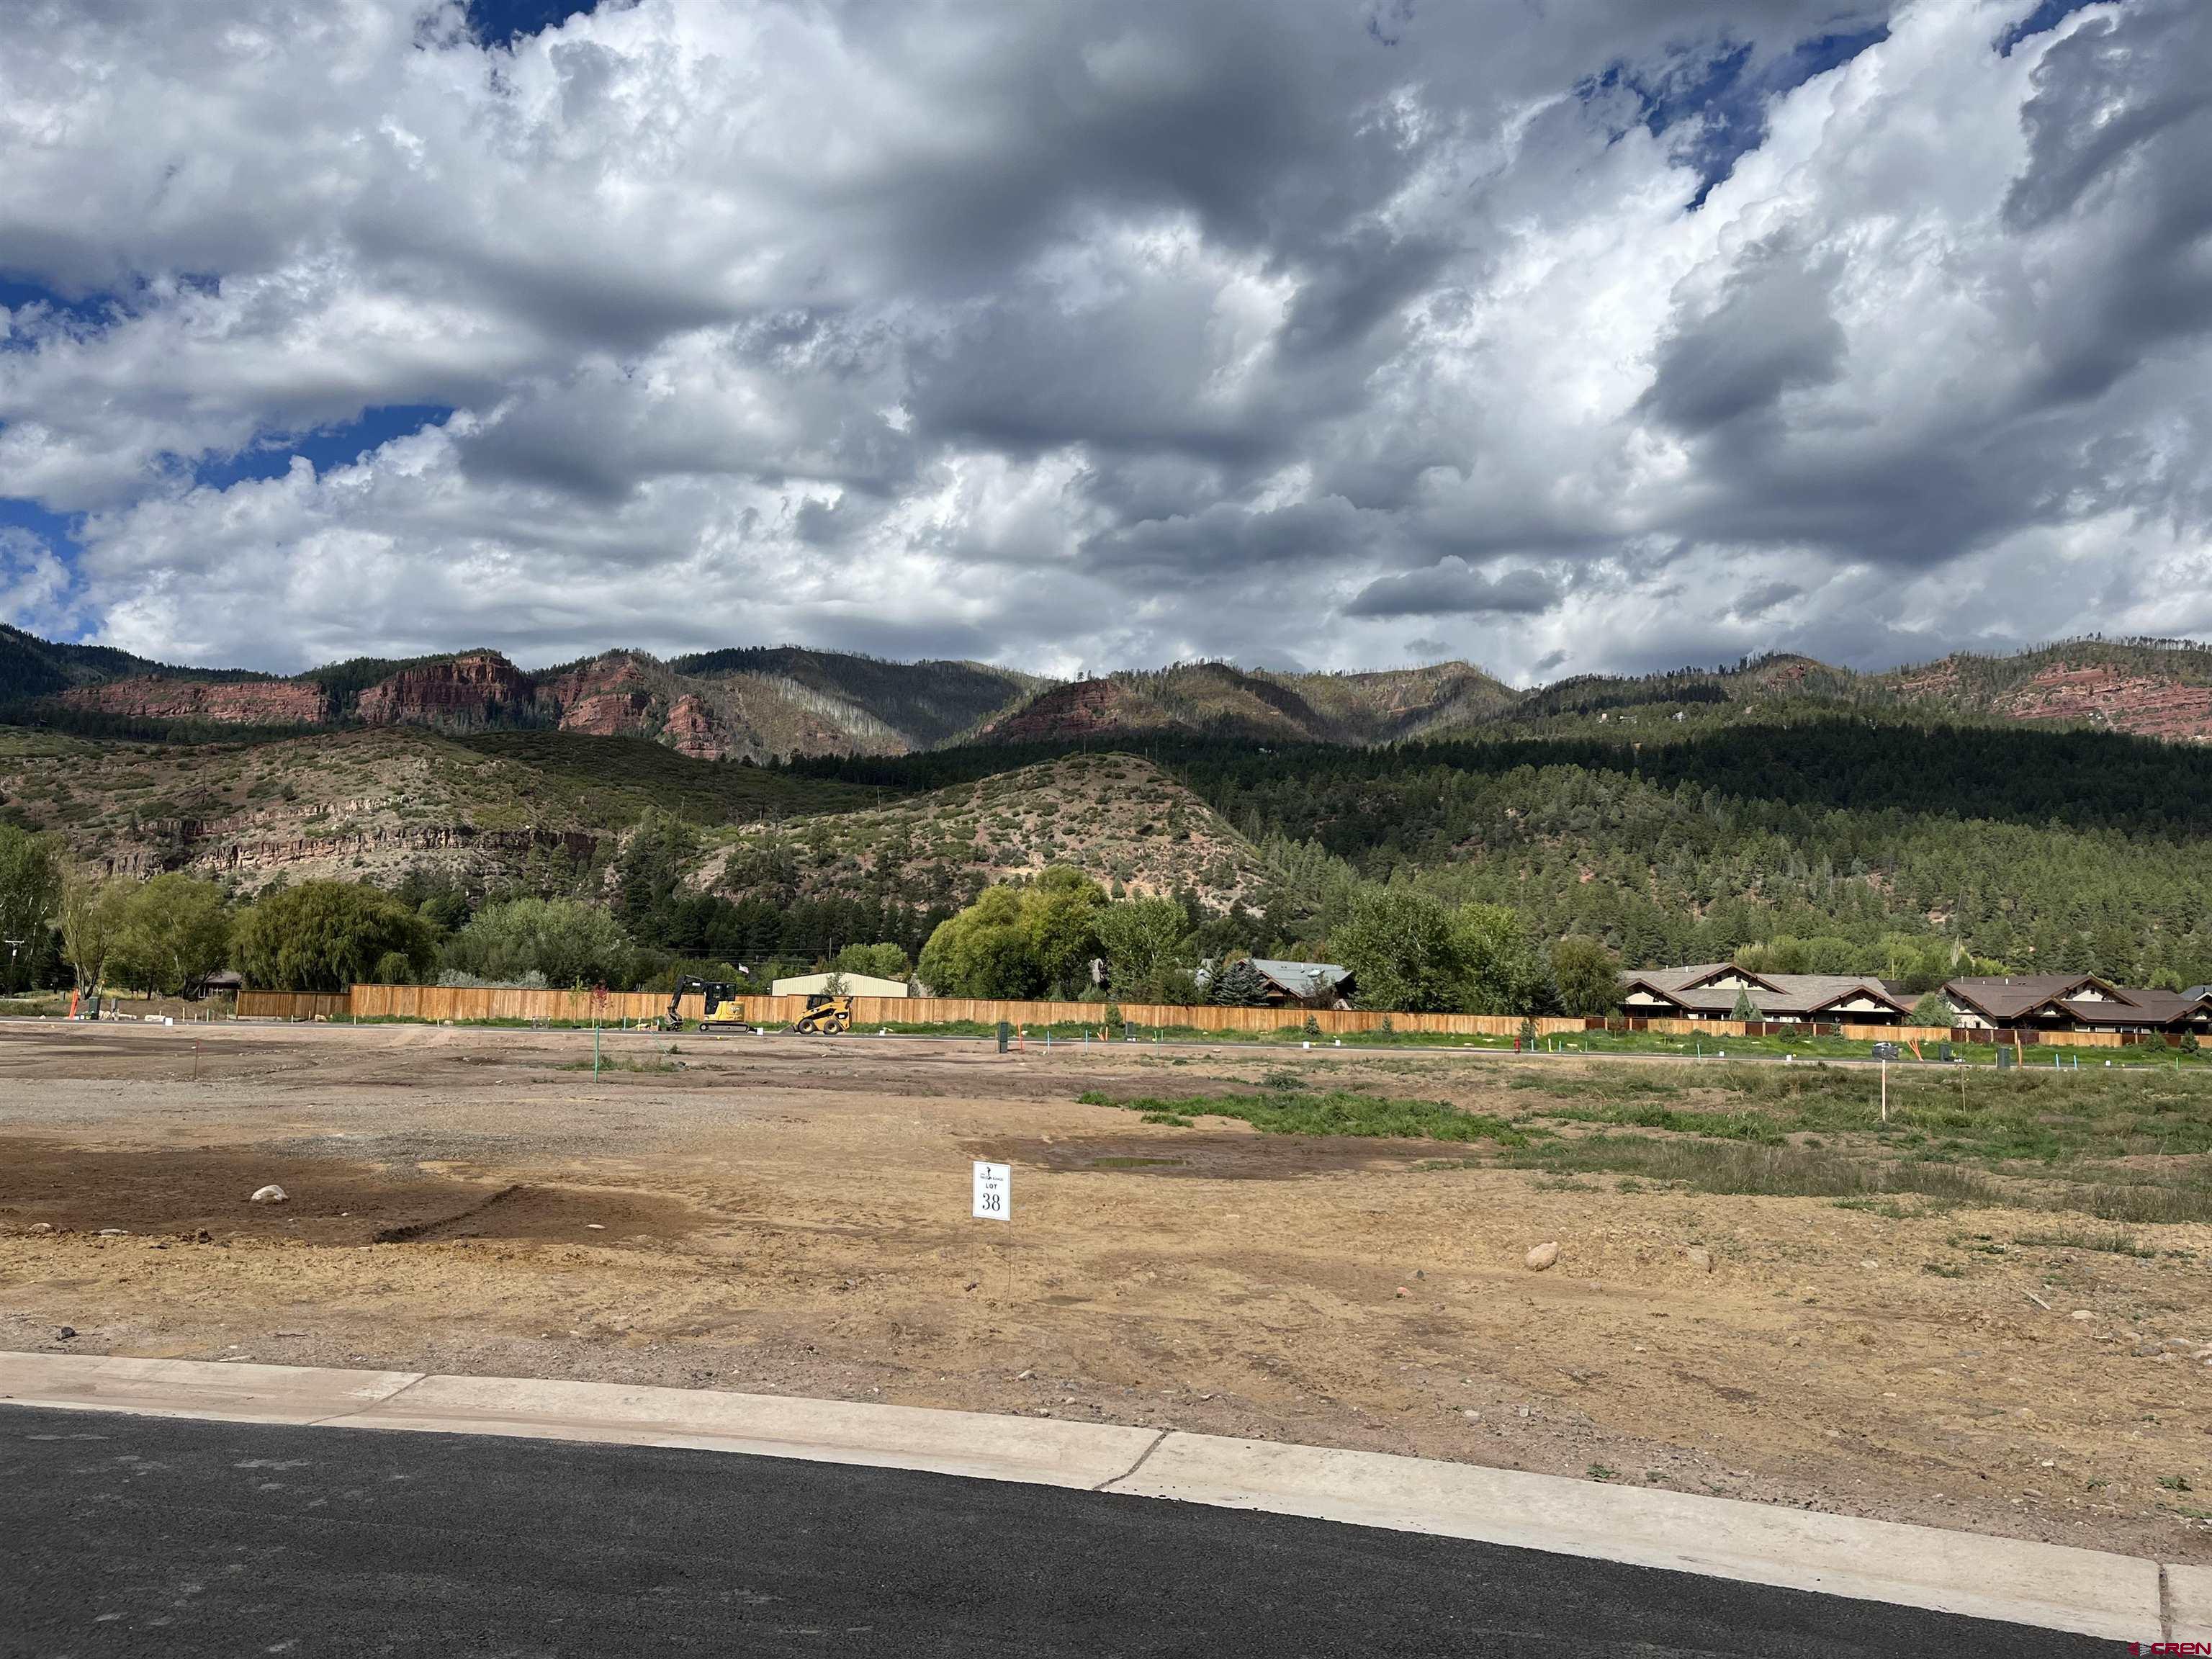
<point x="1562" y="335"/>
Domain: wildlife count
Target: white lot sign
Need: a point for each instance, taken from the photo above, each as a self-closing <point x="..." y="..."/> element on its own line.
<point x="994" y="1193"/>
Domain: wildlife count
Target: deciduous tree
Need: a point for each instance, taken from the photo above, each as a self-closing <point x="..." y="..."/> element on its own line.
<point x="1585" y="975"/>
<point x="30" y="891"/>
<point x="171" y="934"/>
<point x="325" y="936"/>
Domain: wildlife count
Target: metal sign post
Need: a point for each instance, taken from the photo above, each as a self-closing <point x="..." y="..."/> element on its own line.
<point x="991" y="1199"/>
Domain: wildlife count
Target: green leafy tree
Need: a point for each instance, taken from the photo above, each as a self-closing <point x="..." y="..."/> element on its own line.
<point x="1933" y="1009"/>
<point x="1146" y="945"/>
<point x="568" y="943"/>
<point x="30" y="892"/>
<point x="1402" y="947"/>
<point x="1017" y="941"/>
<point x="1585" y="976"/>
<point x="325" y="936"/>
<point x="89" y="916"/>
<point x="983" y="952"/>
<point x="1060" y="913"/>
<point x="877" y="961"/>
<point x="172" y="932"/>
<point x="1502" y="972"/>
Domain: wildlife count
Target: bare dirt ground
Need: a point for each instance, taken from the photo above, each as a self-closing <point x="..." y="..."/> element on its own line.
<point x="790" y="1214"/>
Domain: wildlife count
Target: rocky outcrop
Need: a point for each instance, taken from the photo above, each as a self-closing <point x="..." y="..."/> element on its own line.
<point x="480" y="689"/>
<point x="179" y="845"/>
<point x="1084" y="708"/>
<point x="229" y="703"/>
<point x="2149" y="705"/>
<point x="613" y="695"/>
<point x="692" y="729"/>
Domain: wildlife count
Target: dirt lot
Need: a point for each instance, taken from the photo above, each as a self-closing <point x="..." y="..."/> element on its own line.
<point x="790" y="1215"/>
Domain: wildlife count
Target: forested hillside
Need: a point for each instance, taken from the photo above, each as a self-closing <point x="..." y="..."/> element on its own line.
<point x="2030" y="848"/>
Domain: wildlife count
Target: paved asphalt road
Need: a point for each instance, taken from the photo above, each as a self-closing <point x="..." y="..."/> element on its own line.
<point x="146" y="1536"/>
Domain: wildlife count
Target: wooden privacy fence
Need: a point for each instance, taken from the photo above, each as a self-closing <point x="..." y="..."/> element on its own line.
<point x="1962" y="1034"/>
<point x="293" y="1004"/>
<point x="443" y="1002"/>
<point x="437" y="1003"/>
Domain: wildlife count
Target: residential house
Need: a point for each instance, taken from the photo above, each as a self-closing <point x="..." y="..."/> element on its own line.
<point x="1709" y="991"/>
<point x="1306" y="984"/>
<point x="2075" y="1002"/>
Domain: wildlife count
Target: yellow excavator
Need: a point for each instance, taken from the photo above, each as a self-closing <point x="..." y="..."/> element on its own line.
<point x="825" y="1016"/>
<point x="712" y="998"/>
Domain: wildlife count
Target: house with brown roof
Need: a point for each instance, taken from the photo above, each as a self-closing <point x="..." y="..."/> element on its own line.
<point x="2074" y="1002"/>
<point x="1709" y="991"/>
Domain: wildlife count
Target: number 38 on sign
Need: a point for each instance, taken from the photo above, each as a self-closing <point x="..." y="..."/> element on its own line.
<point x="994" y="1193"/>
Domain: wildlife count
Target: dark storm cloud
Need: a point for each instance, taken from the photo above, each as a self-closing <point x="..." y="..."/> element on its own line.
<point x="1772" y="330"/>
<point x="2122" y="119"/>
<point x="1452" y="589"/>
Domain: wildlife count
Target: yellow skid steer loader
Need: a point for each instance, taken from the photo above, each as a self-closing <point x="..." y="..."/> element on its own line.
<point x="825" y="1016"/>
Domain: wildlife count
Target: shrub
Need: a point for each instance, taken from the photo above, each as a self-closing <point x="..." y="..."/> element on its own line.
<point x="569" y="943"/>
<point x="1933" y="1009"/>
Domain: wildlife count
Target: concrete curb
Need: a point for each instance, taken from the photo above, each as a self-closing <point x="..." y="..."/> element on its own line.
<point x="2187" y="1604"/>
<point x="2091" y="1592"/>
<point x="190" y="1388"/>
<point x="2050" y="1585"/>
<point x="1037" y="1450"/>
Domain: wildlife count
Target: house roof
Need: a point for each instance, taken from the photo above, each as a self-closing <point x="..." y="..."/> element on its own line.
<point x="2143" y="1008"/>
<point x="1302" y="979"/>
<point x="2009" y="996"/>
<point x="2024" y="994"/>
<point x="1674" y="980"/>
<point x="1771" y="993"/>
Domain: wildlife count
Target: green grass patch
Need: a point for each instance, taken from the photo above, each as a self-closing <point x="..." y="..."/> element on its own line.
<point x="1335" y="1112"/>
<point x="1752" y="1168"/>
<point x="2086" y="1238"/>
<point x="2053" y="1119"/>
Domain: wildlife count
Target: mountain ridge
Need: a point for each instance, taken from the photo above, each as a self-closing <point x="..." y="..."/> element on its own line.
<point x="774" y="702"/>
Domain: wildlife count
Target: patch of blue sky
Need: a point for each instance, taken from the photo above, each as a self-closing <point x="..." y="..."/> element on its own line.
<point x="496" y="22"/>
<point x="339" y="444"/>
<point x="58" y="532"/>
<point x="94" y="309"/>
<point x="1715" y="101"/>
<point x="2047" y="16"/>
<point x="87" y="310"/>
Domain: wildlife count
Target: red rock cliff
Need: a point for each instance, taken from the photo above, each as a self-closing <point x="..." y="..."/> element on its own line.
<point x="609" y="697"/>
<point x="240" y="703"/>
<point x="459" y="691"/>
